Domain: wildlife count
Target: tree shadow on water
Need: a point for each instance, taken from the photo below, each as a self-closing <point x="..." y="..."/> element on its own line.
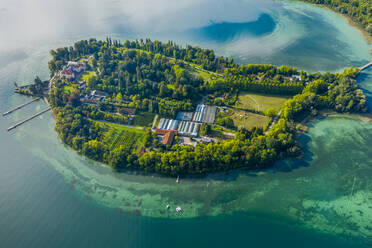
<point x="290" y="164"/>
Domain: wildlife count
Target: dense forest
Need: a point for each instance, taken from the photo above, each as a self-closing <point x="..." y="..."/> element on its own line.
<point x="261" y="79"/>
<point x="147" y="76"/>
<point x="360" y="11"/>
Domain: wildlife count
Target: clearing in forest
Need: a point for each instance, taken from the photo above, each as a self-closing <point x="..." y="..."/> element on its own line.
<point x="259" y="102"/>
<point x="249" y="120"/>
<point x="143" y="119"/>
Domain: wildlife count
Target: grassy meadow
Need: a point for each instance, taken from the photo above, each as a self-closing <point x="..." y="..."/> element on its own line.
<point x="259" y="102"/>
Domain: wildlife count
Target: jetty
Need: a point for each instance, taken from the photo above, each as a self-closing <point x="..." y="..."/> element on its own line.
<point x="24" y="86"/>
<point x="20" y="106"/>
<point x="365" y="66"/>
<point x="28" y="119"/>
<point x="50" y="85"/>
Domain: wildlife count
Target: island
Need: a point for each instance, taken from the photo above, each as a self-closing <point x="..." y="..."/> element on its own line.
<point x="155" y="107"/>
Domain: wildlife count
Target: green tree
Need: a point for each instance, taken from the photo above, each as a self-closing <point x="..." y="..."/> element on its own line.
<point x="270" y="112"/>
<point x="119" y="97"/>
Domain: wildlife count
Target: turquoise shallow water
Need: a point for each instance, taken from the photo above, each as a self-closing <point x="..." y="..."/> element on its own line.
<point x="52" y="197"/>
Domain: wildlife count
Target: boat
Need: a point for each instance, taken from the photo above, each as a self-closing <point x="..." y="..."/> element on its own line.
<point x="178" y="179"/>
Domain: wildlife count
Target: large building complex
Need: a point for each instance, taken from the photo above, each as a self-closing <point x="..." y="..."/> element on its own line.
<point x="205" y="114"/>
<point x="186" y="128"/>
<point x="186" y="124"/>
<point x="184" y="116"/>
<point x="168" y="124"/>
<point x="189" y="128"/>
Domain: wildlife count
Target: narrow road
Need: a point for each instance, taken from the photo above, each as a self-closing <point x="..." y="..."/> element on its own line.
<point x="228" y="134"/>
<point x="197" y="67"/>
<point x="154" y="122"/>
<point x="125" y="125"/>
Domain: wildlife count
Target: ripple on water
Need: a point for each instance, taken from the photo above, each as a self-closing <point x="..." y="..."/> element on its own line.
<point x="332" y="195"/>
<point x="328" y="190"/>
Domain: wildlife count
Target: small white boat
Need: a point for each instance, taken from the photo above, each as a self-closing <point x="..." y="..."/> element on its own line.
<point x="167" y="207"/>
<point x="178" y="179"/>
<point x="178" y="209"/>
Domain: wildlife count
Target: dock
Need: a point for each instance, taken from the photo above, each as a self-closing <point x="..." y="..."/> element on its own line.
<point x="24" y="86"/>
<point x="20" y="106"/>
<point x="28" y="119"/>
<point x="365" y="66"/>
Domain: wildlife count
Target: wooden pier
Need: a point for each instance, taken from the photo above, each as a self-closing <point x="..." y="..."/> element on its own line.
<point x="365" y="66"/>
<point x="20" y="106"/>
<point x="24" y="86"/>
<point x="29" y="118"/>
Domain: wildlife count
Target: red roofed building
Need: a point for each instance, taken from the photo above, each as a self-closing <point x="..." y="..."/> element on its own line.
<point x="168" y="138"/>
<point x="160" y="131"/>
<point x="67" y="74"/>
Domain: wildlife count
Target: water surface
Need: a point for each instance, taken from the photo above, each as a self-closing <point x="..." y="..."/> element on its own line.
<point x="52" y="197"/>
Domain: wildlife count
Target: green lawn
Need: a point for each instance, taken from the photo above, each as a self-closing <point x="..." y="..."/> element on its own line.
<point x="117" y="135"/>
<point x="171" y="86"/>
<point x="249" y="120"/>
<point x="68" y="88"/>
<point x="206" y="76"/>
<point x="259" y="102"/>
<point x="87" y="75"/>
<point x="144" y="119"/>
<point x="191" y="67"/>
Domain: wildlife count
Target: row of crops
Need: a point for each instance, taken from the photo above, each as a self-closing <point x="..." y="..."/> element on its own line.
<point x="117" y="135"/>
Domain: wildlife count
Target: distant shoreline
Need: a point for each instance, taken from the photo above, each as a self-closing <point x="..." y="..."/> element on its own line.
<point x="366" y="36"/>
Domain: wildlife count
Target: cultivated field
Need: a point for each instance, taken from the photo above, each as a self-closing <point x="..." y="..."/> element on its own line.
<point x="258" y="102"/>
<point x="117" y="135"/>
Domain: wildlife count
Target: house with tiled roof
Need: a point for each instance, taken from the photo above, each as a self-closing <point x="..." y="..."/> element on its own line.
<point x="67" y="74"/>
<point x="168" y="135"/>
<point x="168" y="138"/>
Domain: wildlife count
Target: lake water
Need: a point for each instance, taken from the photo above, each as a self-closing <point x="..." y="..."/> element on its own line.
<point x="52" y="197"/>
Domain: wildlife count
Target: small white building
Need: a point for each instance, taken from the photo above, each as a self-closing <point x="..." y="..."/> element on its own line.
<point x="98" y="95"/>
<point x="76" y="66"/>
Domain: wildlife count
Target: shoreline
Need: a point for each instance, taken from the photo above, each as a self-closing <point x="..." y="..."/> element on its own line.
<point x="303" y="126"/>
<point x="366" y="36"/>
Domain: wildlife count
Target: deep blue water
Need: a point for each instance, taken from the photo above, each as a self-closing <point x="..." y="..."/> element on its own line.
<point x="228" y="31"/>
